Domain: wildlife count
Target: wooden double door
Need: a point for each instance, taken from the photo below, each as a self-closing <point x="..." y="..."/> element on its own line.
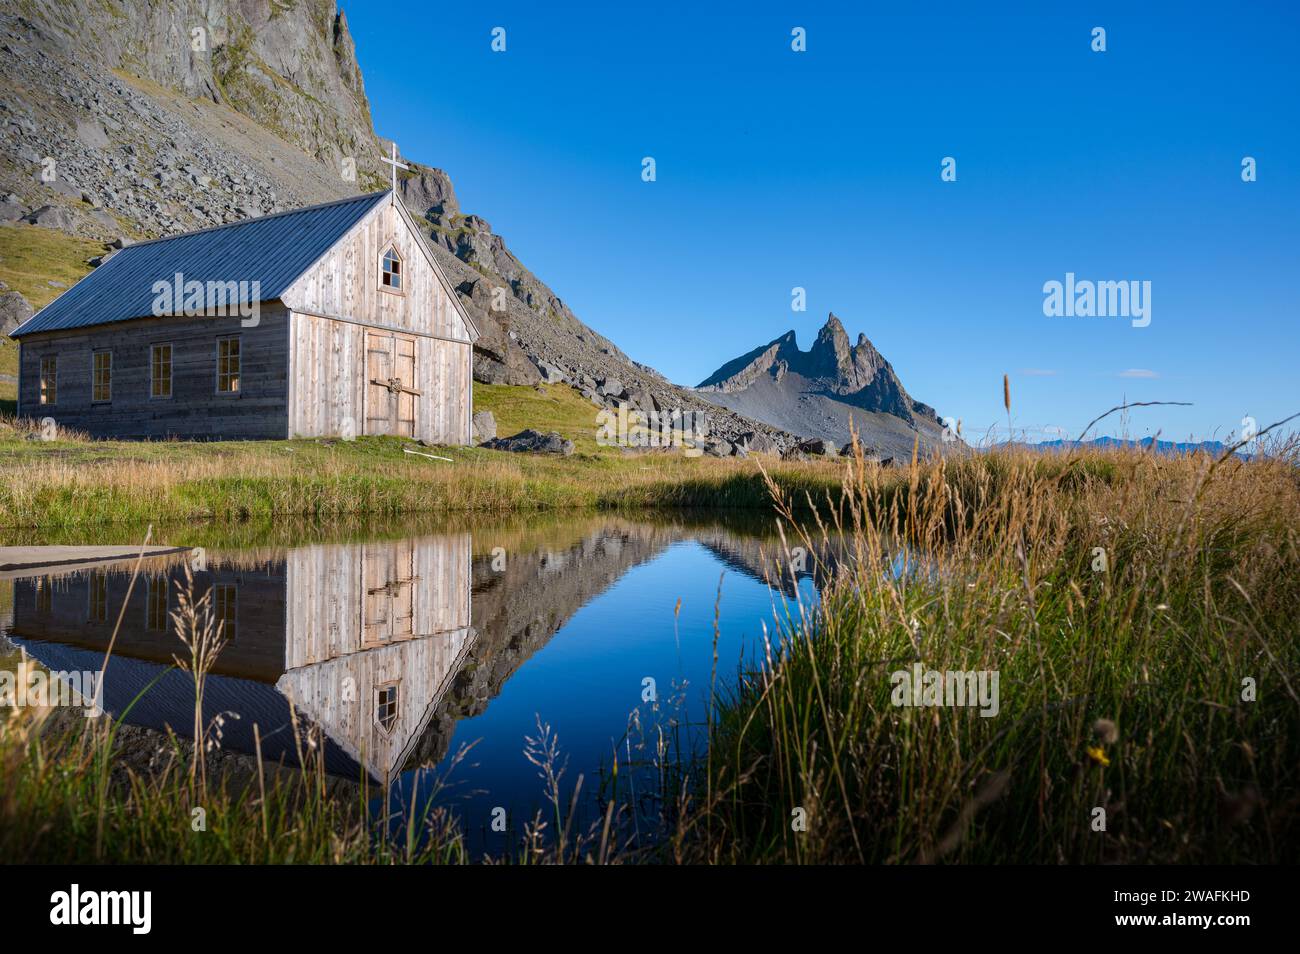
<point x="388" y="580"/>
<point x="391" y="394"/>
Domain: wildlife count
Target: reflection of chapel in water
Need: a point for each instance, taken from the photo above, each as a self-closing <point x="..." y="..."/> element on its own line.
<point x="364" y="639"/>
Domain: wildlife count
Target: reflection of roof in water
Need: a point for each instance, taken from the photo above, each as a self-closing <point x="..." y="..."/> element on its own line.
<point x="170" y="702"/>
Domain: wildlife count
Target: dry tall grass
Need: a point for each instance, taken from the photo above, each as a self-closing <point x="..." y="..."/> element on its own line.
<point x="1141" y="613"/>
<point x="62" y="484"/>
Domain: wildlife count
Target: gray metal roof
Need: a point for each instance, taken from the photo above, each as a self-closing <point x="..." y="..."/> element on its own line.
<point x="169" y="702"/>
<point x="273" y="251"/>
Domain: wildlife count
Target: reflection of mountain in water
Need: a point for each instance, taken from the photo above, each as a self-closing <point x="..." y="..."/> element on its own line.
<point x="521" y="601"/>
<point x="384" y="646"/>
<point x="768" y="559"/>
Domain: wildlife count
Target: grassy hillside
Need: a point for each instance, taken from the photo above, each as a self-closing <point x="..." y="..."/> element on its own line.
<point x="544" y="408"/>
<point x="30" y="258"/>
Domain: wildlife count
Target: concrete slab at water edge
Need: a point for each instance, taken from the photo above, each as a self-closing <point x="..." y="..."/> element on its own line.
<point x="30" y="561"/>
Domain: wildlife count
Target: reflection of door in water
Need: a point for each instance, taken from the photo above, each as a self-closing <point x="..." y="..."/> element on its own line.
<point x="387" y="579"/>
<point x="390" y="384"/>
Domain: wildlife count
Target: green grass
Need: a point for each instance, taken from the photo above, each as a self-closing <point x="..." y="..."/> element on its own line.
<point x="544" y="408"/>
<point x="77" y="483"/>
<point x="30" y="258"/>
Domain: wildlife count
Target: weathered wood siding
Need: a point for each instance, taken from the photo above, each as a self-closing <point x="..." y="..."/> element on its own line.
<point x="338" y="301"/>
<point x="196" y="409"/>
<point x="254" y="650"/>
<point x="365" y="616"/>
<point x="331" y="388"/>
<point x="327" y="588"/>
<point x="345" y="282"/>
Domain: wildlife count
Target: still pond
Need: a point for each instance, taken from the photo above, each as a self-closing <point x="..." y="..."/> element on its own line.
<point x="429" y="659"/>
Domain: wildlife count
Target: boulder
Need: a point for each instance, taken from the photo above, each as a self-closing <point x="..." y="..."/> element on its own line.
<point x="642" y="401"/>
<point x="719" y="449"/>
<point x="64" y="187"/>
<point x="612" y="387"/>
<point x="508" y="366"/>
<point x="52" y="217"/>
<point x="868" y="453"/>
<point x="549" y="372"/>
<point x="756" y="442"/>
<point x="90" y="133"/>
<point x="534" y="442"/>
<point x="817" y="447"/>
<point x="104" y="218"/>
<point x="485" y="426"/>
<point x="14" y="310"/>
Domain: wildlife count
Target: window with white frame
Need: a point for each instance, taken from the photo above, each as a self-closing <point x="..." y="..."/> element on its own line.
<point x="386" y="706"/>
<point x="390" y="273"/>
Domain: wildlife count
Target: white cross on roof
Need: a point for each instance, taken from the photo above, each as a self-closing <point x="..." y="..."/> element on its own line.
<point x="396" y="165"/>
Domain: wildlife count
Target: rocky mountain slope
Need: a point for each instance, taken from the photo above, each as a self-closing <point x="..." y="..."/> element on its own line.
<point x="125" y="120"/>
<point x="815" y="393"/>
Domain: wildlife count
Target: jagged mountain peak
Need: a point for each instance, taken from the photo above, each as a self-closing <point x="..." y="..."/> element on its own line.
<point x="833" y="325"/>
<point x="777" y="383"/>
<point x="830" y="354"/>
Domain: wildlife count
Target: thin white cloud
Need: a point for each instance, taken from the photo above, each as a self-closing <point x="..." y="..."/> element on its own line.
<point x="1138" y="373"/>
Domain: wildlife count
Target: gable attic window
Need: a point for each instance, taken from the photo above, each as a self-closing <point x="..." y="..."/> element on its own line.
<point x="391" y="270"/>
<point x="386" y="706"/>
<point x="101" y="378"/>
<point x="50" y="379"/>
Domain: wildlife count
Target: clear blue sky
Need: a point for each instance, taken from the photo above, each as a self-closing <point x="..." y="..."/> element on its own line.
<point x="822" y="170"/>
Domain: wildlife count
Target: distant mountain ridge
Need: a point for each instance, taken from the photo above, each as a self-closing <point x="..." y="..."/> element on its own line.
<point x="1214" y="448"/>
<point x="814" y="393"/>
